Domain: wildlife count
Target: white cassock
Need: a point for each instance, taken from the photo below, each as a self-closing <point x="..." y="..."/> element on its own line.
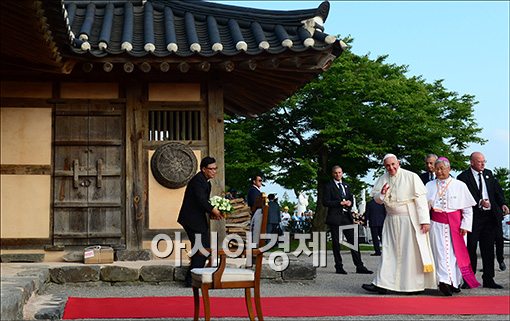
<point x="406" y="262"/>
<point x="448" y="196"/>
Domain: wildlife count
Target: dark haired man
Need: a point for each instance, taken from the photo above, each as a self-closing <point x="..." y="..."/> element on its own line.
<point x="429" y="175"/>
<point x="254" y="191"/>
<point x="194" y="211"/>
<point x="338" y="199"/>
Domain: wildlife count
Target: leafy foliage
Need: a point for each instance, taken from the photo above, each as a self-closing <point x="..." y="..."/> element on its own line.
<point x="503" y="176"/>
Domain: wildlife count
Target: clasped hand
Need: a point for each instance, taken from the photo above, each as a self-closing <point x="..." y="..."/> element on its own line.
<point x="346" y="203"/>
<point x="485" y="203"/>
<point x="216" y="214"/>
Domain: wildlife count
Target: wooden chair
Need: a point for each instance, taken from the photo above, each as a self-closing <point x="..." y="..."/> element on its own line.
<point x="222" y="277"/>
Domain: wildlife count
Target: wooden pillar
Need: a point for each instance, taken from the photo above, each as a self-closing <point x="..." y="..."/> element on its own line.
<point x="216" y="144"/>
<point x="136" y="196"/>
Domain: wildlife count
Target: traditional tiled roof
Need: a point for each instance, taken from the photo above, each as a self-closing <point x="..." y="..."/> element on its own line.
<point x="261" y="57"/>
<point x="33" y="34"/>
<point x="162" y="28"/>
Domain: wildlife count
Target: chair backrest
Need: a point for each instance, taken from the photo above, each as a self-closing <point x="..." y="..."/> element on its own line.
<point x="259" y="219"/>
<point x="263" y="226"/>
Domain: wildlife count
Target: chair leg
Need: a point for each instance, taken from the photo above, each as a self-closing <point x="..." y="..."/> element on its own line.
<point x="247" y="299"/>
<point x="258" y="306"/>
<point x="196" y="302"/>
<point x="207" y="306"/>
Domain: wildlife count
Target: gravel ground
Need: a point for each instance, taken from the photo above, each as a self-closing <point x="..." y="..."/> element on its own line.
<point x="327" y="283"/>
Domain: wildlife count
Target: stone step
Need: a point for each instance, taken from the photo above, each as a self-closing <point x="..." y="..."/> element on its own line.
<point x="22" y="257"/>
<point x="17" y="289"/>
<point x="22" y="282"/>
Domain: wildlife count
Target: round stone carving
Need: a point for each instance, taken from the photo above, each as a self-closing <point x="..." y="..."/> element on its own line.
<point x="173" y="165"/>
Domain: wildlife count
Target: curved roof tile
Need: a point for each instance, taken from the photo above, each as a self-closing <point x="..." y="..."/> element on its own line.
<point x="186" y="28"/>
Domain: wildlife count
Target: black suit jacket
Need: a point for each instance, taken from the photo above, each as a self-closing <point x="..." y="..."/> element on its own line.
<point x="375" y="213"/>
<point x="195" y="205"/>
<point x="253" y="193"/>
<point x="495" y="198"/>
<point x="331" y="199"/>
<point x="425" y="177"/>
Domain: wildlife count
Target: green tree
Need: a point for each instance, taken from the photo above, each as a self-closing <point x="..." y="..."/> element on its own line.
<point x="285" y="201"/>
<point x="503" y="176"/>
<point x="243" y="159"/>
<point x="353" y="114"/>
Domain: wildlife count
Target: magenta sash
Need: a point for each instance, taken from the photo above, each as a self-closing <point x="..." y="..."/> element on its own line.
<point x="453" y="219"/>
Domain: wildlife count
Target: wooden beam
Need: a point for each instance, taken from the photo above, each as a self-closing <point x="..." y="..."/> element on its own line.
<point x="271" y="63"/>
<point x="129" y="67"/>
<point x="216" y="126"/>
<point x="145" y="67"/>
<point x="216" y="131"/>
<point x="87" y="67"/>
<point x="164" y="66"/>
<point x="183" y="67"/>
<point x="248" y="64"/>
<point x="107" y="66"/>
<point x="204" y="66"/>
<point x="10" y="169"/>
<point x="228" y="66"/>
<point x="136" y="186"/>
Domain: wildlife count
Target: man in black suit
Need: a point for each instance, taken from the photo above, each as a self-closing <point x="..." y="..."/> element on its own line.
<point x="254" y="191"/>
<point x="194" y="210"/>
<point x="375" y="214"/>
<point x="339" y="200"/>
<point x="486" y="215"/>
<point x="273" y="215"/>
<point x="429" y="175"/>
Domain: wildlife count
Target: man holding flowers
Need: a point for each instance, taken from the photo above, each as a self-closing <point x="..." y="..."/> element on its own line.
<point x="194" y="210"/>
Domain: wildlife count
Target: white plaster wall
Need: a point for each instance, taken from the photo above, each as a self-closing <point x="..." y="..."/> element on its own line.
<point x="25" y="206"/>
<point x="25" y="136"/>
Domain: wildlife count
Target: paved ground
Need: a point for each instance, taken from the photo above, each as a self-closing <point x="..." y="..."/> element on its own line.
<point x="327" y="283"/>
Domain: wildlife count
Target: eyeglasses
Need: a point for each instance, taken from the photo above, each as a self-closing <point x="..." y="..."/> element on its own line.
<point x="259" y="180"/>
<point x="212" y="168"/>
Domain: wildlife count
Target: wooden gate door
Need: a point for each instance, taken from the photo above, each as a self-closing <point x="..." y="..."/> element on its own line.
<point x="89" y="167"/>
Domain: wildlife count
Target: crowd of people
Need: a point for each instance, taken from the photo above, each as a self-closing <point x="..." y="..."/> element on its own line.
<point x="434" y="224"/>
<point x="425" y="228"/>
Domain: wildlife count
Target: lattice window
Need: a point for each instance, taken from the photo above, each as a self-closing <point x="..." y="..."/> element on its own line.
<point x="174" y="125"/>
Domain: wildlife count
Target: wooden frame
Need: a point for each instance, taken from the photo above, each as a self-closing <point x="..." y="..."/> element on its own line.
<point x="217" y="283"/>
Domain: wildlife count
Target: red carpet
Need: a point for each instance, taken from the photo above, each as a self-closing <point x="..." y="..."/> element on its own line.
<point x="172" y="307"/>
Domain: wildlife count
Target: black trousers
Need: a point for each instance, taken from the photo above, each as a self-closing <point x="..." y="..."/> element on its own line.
<point x="500" y="243"/>
<point x="376" y="232"/>
<point x="335" y="238"/>
<point x="197" y="260"/>
<point x="484" y="228"/>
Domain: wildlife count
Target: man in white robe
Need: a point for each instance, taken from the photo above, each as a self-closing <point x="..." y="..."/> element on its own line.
<point x="452" y="218"/>
<point x="406" y="263"/>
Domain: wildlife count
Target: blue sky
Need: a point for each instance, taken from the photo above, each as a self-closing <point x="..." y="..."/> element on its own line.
<point x="466" y="43"/>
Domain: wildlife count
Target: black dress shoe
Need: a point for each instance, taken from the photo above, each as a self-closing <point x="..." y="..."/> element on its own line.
<point x="492" y="285"/>
<point x="375" y="254"/>
<point x="340" y="271"/>
<point x="454" y="289"/>
<point x="465" y="286"/>
<point x="445" y="289"/>
<point x="374" y="288"/>
<point x="502" y="266"/>
<point x="363" y="270"/>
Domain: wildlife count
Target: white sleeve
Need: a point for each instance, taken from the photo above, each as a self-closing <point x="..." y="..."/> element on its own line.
<point x="467" y="219"/>
<point x="422" y="208"/>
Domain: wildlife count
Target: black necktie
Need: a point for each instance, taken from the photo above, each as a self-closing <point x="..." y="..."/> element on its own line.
<point x="341" y="188"/>
<point x="480" y="185"/>
<point x="431" y="177"/>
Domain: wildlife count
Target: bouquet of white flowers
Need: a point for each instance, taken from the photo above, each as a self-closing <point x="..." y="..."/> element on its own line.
<point x="222" y="204"/>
